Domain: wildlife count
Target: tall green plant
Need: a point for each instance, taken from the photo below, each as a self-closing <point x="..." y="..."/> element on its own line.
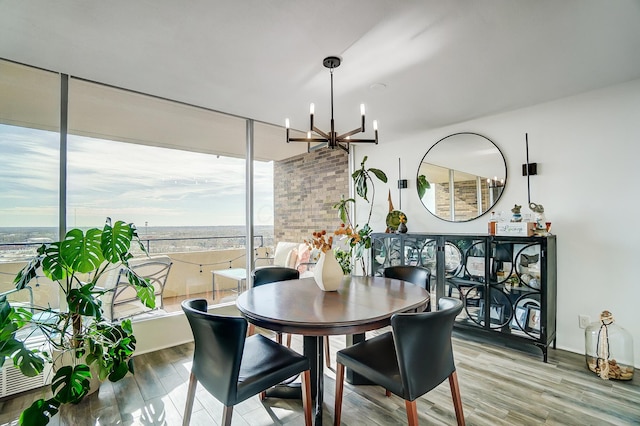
<point x="359" y="237"/>
<point x="75" y="264"/>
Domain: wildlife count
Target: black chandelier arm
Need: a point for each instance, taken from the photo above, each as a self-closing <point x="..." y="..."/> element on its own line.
<point x="348" y="141"/>
<point x="351" y="133"/>
<point x="344" y="148"/>
<point x="307" y="140"/>
<point x="321" y="133"/>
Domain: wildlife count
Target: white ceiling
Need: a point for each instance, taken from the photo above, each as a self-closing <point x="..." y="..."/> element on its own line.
<point x="442" y="62"/>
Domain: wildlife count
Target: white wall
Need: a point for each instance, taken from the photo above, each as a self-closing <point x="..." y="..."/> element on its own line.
<point x="587" y="148"/>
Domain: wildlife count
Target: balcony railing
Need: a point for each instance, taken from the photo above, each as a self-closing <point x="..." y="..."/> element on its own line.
<point x="20" y="251"/>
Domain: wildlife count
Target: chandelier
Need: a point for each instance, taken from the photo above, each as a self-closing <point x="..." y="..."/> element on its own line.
<point x="331" y="139"/>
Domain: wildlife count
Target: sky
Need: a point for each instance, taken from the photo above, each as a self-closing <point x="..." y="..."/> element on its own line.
<point x="134" y="183"/>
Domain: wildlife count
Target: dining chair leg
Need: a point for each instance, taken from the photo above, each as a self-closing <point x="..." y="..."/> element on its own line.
<point x="412" y="412"/>
<point x="227" y="412"/>
<point x="387" y="393"/>
<point x="191" y="394"/>
<point x="263" y="395"/>
<point x="252" y="330"/>
<point x="307" y="404"/>
<point x="327" y="355"/>
<point x="457" y="401"/>
<point x="289" y="340"/>
<point x="279" y="338"/>
<point x="339" y="388"/>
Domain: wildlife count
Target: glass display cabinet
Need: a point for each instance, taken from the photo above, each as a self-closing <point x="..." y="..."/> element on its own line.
<point x="515" y="277"/>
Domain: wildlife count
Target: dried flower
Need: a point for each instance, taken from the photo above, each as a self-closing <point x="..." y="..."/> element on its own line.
<point x="320" y="241"/>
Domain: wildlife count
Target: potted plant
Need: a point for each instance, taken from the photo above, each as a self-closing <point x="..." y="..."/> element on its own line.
<point x="358" y="237"/>
<point x="96" y="347"/>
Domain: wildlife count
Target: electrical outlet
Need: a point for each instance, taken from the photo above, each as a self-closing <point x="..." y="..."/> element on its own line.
<point x="583" y="321"/>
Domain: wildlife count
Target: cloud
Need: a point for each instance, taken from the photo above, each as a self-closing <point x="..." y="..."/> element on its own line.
<point x="160" y="185"/>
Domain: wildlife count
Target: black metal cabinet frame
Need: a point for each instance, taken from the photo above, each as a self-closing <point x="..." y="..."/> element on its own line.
<point x="507" y="284"/>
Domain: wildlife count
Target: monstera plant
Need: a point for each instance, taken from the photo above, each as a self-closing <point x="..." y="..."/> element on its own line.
<point x="79" y="343"/>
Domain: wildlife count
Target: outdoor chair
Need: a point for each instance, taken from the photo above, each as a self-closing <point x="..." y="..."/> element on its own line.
<point x="121" y="301"/>
<point x="233" y="367"/>
<point x="412" y="359"/>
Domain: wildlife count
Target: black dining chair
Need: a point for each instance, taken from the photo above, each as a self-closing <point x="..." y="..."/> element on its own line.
<point x="414" y="274"/>
<point x="413" y="358"/>
<point x="233" y="367"/>
<point x="270" y="274"/>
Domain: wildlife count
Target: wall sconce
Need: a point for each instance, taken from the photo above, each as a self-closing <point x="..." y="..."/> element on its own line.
<point x="529" y="169"/>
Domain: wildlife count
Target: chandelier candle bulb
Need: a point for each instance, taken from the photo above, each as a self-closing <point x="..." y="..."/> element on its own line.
<point x="375" y="130"/>
<point x="286" y="125"/>
<point x="362" y="114"/>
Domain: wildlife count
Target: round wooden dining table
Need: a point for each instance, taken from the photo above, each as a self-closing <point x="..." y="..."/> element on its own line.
<point x="300" y="307"/>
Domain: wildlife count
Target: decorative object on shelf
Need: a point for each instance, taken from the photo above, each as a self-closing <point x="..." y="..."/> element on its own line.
<point x="402" y="228"/>
<point x="107" y="348"/>
<point x="393" y="219"/>
<point x="331" y="139"/>
<point x="540" y="219"/>
<point x="359" y="238"/>
<point x="520" y="229"/>
<point x="517" y="216"/>
<point x="493" y="221"/>
<point x="609" y="349"/>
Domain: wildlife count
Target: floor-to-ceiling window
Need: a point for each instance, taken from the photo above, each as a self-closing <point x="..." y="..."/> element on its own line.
<point x="29" y="171"/>
<point x="175" y="170"/>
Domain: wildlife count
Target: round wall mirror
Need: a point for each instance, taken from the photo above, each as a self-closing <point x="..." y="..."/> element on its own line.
<point x="466" y="174"/>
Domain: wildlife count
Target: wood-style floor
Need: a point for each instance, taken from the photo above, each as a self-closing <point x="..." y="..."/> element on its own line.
<point x="499" y="386"/>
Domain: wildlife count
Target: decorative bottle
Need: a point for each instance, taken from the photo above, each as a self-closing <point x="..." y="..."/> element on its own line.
<point x="609" y="349"/>
<point x="492" y="223"/>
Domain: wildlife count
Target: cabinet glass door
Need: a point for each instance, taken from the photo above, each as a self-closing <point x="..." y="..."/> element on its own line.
<point x="385" y="252"/>
<point x="515" y="286"/>
<point x="464" y="271"/>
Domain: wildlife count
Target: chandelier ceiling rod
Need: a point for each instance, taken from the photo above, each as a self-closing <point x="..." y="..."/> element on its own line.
<point x="332" y="139"/>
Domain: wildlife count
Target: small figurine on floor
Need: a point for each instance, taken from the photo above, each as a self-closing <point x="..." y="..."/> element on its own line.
<point x="517" y="217"/>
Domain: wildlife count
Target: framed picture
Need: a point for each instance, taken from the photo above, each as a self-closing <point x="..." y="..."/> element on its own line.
<point x="519" y="320"/>
<point x="475" y="266"/>
<point x="496" y="313"/>
<point x="533" y="319"/>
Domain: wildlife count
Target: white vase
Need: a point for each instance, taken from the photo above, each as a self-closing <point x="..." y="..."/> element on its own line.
<point x="327" y="272"/>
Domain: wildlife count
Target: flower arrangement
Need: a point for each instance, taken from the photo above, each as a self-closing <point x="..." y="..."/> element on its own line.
<point x="320" y="241"/>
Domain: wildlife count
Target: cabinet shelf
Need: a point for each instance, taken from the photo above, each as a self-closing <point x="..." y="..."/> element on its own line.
<point x="514" y="276"/>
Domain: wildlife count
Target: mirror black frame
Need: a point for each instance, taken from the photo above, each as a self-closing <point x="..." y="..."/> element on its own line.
<point x="495" y="200"/>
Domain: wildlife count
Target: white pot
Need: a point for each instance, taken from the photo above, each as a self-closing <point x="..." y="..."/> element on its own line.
<point x="327" y="272"/>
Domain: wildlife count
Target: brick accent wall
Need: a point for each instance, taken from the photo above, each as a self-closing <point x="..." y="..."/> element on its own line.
<point x="305" y="189"/>
<point x="466" y="199"/>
